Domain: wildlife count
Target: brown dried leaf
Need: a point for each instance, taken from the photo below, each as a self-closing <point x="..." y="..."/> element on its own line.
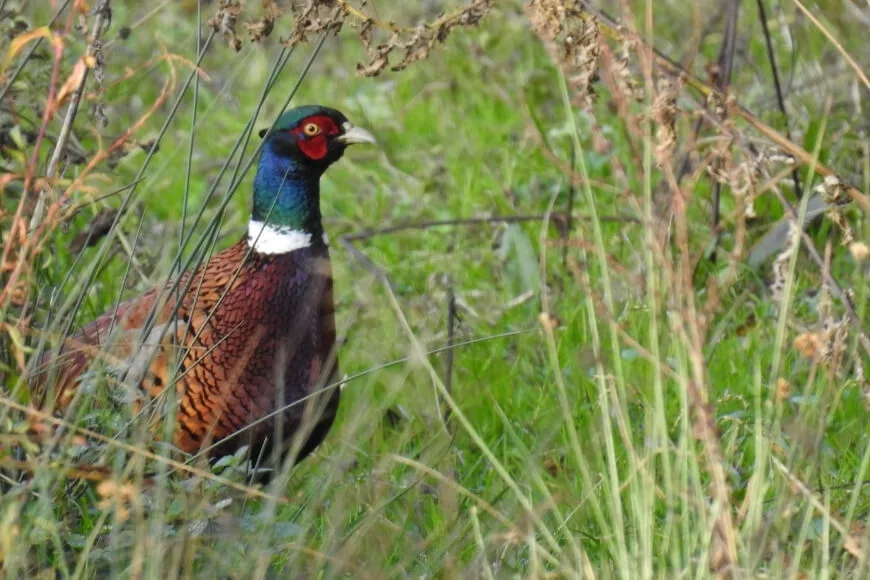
<point x="379" y="58"/>
<point x="416" y="48"/>
<point x="260" y="29"/>
<point x="224" y="22"/>
<point x="373" y="66"/>
<point x="573" y="40"/>
<point x="73" y="81"/>
<point x="366" y="29"/>
<point x="834" y="195"/>
<point x="119" y="496"/>
<point x="548" y="321"/>
<point x="664" y="113"/>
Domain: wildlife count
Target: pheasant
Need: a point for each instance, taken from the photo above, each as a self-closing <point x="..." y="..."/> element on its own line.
<point x="247" y="340"/>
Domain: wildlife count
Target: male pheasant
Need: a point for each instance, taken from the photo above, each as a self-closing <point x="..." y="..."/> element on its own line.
<point x="247" y="340"/>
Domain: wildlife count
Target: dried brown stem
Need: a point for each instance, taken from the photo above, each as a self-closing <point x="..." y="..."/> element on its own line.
<point x="33" y="240"/>
<point x="444" y="20"/>
<point x="612" y="30"/>
<point x="103" y="17"/>
<point x="723" y="555"/>
<point x="855" y="66"/>
<point x="830" y="281"/>
<point x="851" y="542"/>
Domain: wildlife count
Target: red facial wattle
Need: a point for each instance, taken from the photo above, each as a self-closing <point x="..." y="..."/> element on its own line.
<point x="315" y="146"/>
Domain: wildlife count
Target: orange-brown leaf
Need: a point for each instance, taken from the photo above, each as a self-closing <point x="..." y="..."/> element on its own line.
<point x="72" y="82"/>
<point x="22" y="40"/>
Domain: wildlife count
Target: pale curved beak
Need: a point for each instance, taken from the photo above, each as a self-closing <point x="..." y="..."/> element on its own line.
<point x="355" y="135"/>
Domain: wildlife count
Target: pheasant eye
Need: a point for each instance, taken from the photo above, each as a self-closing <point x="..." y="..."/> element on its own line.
<point x="311" y="129"/>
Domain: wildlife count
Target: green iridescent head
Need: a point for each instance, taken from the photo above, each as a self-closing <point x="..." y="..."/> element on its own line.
<point x="297" y="150"/>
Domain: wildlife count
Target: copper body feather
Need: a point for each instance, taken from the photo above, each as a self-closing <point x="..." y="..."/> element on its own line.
<point x="252" y="334"/>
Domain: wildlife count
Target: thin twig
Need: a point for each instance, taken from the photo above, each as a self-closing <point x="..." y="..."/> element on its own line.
<point x="572" y="192"/>
<point x="686" y="162"/>
<point x="780" y="100"/>
<point x="848" y="58"/>
<point x="850" y="542"/>
<point x="347" y="243"/>
<point x="722" y="79"/>
<point x="449" y="353"/>
<point x="830" y="281"/>
<point x="366" y="234"/>
<point x="725" y="64"/>
<point x="611" y="28"/>
<point x="103" y="17"/>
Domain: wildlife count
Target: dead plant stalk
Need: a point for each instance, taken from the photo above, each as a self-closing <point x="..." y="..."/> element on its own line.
<point x="612" y="30"/>
<point x="103" y="17"/>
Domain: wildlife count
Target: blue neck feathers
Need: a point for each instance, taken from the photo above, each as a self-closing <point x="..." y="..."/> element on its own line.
<point x="286" y="193"/>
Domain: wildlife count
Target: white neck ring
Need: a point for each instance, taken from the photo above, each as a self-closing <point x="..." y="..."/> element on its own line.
<point x="271" y="239"/>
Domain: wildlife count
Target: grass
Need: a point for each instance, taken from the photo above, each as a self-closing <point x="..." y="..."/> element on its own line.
<point x="606" y="438"/>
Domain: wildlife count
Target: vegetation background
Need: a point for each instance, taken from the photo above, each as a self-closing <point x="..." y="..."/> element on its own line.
<point x="582" y="339"/>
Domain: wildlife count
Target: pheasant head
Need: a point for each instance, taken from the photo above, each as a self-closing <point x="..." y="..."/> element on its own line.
<point x="296" y="151"/>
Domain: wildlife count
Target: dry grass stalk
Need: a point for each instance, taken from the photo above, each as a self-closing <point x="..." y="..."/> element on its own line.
<point x="852" y="542"/>
<point x="573" y="41"/>
<point x="834" y="196"/>
<point x="833" y="332"/>
<point x="722" y="558"/>
<point x="746" y="176"/>
<point x="833" y="40"/>
<point x="316" y="16"/>
<point x="863" y="383"/>
<point x="624" y="77"/>
<point x="779" y="267"/>
<point x="224" y="22"/>
<point x="552" y="21"/>
<point x="689" y="324"/>
<point x="93" y="59"/>
<point x="665" y="114"/>
<point x="613" y="30"/>
<point x="827" y="344"/>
